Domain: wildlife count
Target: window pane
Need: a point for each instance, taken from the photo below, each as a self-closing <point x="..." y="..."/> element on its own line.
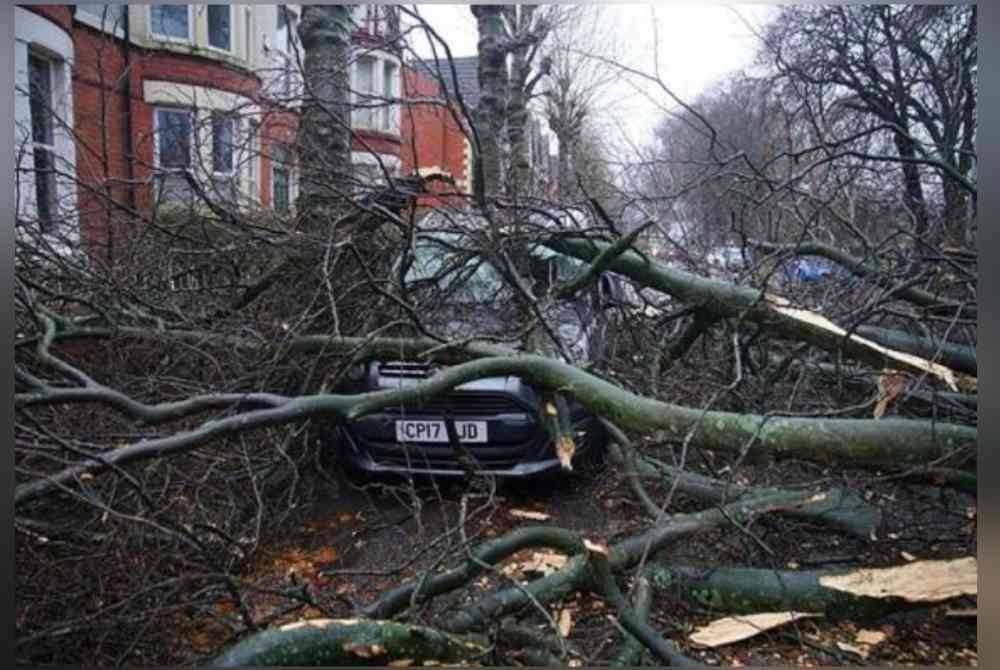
<point x="218" y="26"/>
<point x="366" y="76"/>
<point x="45" y="186"/>
<point x="389" y="91"/>
<point x="174" y="129"/>
<point x="280" y="176"/>
<point x="170" y="20"/>
<point x="223" y="140"/>
<point x="40" y="98"/>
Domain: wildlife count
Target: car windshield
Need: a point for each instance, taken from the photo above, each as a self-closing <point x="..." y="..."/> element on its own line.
<point x="438" y="257"/>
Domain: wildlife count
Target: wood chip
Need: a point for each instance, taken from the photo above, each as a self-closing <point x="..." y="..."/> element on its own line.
<point x="565" y="622"/>
<point x="921" y="581"/>
<point x="973" y="613"/>
<point x="870" y="637"/>
<point x="528" y="514"/>
<point x="565" y="448"/>
<point x="860" y="651"/>
<point x="733" y="629"/>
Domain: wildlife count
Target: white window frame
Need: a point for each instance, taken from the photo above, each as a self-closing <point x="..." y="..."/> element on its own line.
<point x="232" y="29"/>
<point x="170" y="38"/>
<point x="95" y="20"/>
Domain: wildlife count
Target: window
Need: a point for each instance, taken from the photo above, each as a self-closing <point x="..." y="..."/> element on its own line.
<point x="40" y="99"/>
<point x="281" y="178"/>
<point x="390" y="72"/>
<point x="223" y="143"/>
<point x="219" y="33"/>
<point x="365" y="92"/>
<point x="225" y="177"/>
<point x="171" y="21"/>
<point x="174" y="131"/>
<point x="248" y="31"/>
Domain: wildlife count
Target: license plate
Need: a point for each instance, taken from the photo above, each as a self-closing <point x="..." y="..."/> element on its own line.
<point x="435" y="431"/>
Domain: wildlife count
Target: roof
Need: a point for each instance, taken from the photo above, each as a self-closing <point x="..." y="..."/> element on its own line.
<point x="466" y="71"/>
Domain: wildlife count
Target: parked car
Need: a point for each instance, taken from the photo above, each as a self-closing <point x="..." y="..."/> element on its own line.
<point x="496" y="418"/>
<point x="814" y="270"/>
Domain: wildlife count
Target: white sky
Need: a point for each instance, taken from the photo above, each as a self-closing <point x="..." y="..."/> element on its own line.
<point x="695" y="44"/>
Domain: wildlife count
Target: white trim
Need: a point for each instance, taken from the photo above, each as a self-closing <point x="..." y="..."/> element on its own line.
<point x="118" y="29"/>
<point x="159" y="37"/>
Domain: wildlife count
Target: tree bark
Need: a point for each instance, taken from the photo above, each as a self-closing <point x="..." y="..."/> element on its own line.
<point x="324" y="136"/>
<point x="492" y="109"/>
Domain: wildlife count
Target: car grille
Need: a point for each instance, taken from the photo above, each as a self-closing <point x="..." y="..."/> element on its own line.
<point x="464" y="403"/>
<point x="406" y="369"/>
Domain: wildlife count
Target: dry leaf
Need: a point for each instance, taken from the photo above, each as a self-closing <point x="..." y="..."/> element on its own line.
<point x="400" y="663"/>
<point x="528" y="514"/>
<point x="733" y="629"/>
<point x="595" y="547"/>
<point x="565" y="622"/>
<point x="907" y="556"/>
<point x="550" y="409"/>
<point x="891" y="384"/>
<point x="565" y="448"/>
<point x="922" y="581"/>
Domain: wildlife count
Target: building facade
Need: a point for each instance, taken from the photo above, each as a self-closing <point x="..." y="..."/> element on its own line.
<point x="125" y="109"/>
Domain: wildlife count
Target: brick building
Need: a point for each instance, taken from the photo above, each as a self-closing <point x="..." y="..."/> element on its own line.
<point x="115" y="104"/>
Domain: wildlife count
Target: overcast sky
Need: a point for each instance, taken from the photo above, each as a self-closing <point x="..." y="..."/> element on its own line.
<point x="696" y="44"/>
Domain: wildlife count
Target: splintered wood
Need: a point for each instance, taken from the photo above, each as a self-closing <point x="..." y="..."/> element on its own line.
<point x="733" y="629"/>
<point x="921" y="581"/>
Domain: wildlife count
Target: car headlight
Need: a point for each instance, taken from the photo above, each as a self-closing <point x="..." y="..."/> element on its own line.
<point x="356" y="372"/>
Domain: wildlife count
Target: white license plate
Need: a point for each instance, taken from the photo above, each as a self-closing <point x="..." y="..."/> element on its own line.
<point x="435" y="431"/>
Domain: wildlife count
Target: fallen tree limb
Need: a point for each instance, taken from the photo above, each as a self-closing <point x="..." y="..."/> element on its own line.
<point x="839" y="508"/>
<point x="622" y="556"/>
<point x="955" y="356"/>
<point x="632" y="649"/>
<point x="351" y="642"/>
<point x="725" y="300"/>
<point x="856" y="441"/>
<point x="860" y="268"/>
<point x="603" y="582"/>
<point x="751" y="590"/>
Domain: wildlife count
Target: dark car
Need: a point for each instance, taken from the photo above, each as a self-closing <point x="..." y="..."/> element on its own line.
<point x="496" y="419"/>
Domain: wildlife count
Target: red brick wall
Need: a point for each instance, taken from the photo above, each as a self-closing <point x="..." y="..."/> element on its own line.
<point x="61" y="15"/>
<point x="431" y="137"/>
<point x="100" y="120"/>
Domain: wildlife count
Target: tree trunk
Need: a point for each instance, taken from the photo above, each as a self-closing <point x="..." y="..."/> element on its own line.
<point x="324" y="136"/>
<point x="491" y="111"/>
<point x="517" y="112"/>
